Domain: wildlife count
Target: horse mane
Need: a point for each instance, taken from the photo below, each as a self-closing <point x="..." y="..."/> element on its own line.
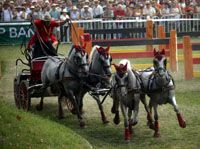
<point x="124" y="61"/>
<point x="93" y="52"/>
<point x="71" y="49"/>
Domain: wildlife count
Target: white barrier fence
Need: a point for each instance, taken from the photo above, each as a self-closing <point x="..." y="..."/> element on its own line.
<point x="181" y="25"/>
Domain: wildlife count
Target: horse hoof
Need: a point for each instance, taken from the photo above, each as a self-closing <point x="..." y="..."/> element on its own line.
<point x="113" y="110"/>
<point x="134" y="123"/>
<point x="116" y="121"/>
<point x="181" y="120"/>
<point x="183" y="125"/>
<point x="106" y="121"/>
<point x="151" y="125"/>
<point x="60" y="117"/>
<point x="73" y="111"/>
<point x="39" y="108"/>
<point x="157" y="135"/>
<point x="82" y="111"/>
<point x="82" y="124"/>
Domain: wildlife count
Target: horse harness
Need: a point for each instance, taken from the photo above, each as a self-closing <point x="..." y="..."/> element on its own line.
<point x="152" y="81"/>
<point x="134" y="90"/>
<point x="73" y="71"/>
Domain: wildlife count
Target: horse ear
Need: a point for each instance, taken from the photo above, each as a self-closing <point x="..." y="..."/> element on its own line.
<point x="108" y="48"/>
<point x="98" y="49"/>
<point x="125" y="67"/>
<point x="163" y="52"/>
<point x="154" y="52"/>
<point x="116" y="66"/>
<point x="76" y="46"/>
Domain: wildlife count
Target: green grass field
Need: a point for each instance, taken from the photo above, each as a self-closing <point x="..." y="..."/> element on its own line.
<point x="42" y="129"/>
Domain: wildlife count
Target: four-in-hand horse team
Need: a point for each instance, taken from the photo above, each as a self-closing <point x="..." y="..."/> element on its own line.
<point x="80" y="73"/>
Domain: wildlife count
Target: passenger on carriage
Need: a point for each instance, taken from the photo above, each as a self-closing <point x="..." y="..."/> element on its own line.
<point x="43" y="42"/>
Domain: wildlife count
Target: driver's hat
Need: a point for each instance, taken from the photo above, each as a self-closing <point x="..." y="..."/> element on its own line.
<point x="46" y="17"/>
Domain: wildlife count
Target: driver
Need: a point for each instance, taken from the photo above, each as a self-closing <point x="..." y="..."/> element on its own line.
<point x="43" y="41"/>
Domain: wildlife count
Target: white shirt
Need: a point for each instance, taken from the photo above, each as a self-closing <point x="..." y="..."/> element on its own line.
<point x="62" y="17"/>
<point x="86" y="15"/>
<point x="97" y="10"/>
<point x="149" y="11"/>
<point x="19" y="16"/>
<point x="89" y="9"/>
<point x="7" y="15"/>
<point x="74" y="15"/>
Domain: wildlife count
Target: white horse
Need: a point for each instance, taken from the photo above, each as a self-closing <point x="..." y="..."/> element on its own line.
<point x="159" y="85"/>
<point x="125" y="93"/>
<point x="72" y="71"/>
<point x="99" y="76"/>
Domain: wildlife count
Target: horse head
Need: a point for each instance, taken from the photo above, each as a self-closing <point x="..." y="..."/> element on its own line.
<point x="160" y="62"/>
<point x="79" y="59"/>
<point x="121" y="78"/>
<point x="105" y="60"/>
<point x="100" y="66"/>
<point x="160" y="66"/>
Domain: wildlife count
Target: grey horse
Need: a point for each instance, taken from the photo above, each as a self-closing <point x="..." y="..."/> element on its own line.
<point x="72" y="70"/>
<point x="125" y="93"/>
<point x="159" y="85"/>
<point x="99" y="76"/>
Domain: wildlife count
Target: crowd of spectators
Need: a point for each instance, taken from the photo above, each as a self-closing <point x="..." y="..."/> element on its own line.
<point x="21" y="10"/>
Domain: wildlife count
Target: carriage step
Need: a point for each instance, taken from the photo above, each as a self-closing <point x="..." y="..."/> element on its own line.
<point x="99" y="92"/>
<point x="35" y="86"/>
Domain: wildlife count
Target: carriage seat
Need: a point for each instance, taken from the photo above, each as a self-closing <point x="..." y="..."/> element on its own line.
<point x="36" y="67"/>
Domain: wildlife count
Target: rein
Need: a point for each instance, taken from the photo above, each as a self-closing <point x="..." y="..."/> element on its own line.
<point x="97" y="75"/>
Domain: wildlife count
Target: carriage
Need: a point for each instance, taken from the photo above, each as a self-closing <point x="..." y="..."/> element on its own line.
<point x="27" y="83"/>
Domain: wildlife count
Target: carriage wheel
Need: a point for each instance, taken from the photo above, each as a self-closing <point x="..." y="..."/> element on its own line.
<point x="70" y="105"/>
<point x="25" y="100"/>
<point x="16" y="94"/>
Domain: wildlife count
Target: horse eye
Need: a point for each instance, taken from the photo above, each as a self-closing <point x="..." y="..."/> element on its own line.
<point x="126" y="79"/>
<point x="77" y="59"/>
<point x="155" y="62"/>
<point x="87" y="56"/>
<point x="165" y="62"/>
<point x="101" y="58"/>
<point x="116" y="78"/>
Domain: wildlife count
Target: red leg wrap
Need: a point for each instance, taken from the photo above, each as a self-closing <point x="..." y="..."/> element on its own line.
<point x="150" y="121"/>
<point x="127" y="134"/>
<point x="130" y="128"/>
<point x="157" y="126"/>
<point x="157" y="129"/>
<point x="103" y="117"/>
<point x="181" y="120"/>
